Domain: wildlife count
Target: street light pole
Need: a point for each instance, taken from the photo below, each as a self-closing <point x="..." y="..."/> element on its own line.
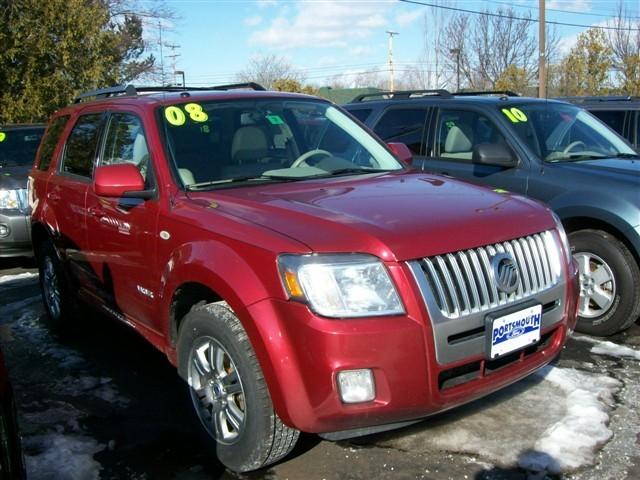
<point x="181" y="72"/>
<point x="542" y="67"/>
<point x="391" y="35"/>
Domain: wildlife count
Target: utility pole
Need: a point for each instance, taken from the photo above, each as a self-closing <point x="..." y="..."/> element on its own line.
<point x="173" y="57"/>
<point x="456" y="52"/>
<point x="391" y="35"/>
<point x="542" y="64"/>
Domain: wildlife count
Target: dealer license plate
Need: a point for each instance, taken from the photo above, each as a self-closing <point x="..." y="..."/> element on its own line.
<point x="515" y="330"/>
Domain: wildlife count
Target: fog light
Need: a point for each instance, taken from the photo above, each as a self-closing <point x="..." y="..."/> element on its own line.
<point x="356" y="386"/>
<point x="4" y="230"/>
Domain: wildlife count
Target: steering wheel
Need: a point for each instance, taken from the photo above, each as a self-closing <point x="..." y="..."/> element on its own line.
<point x="572" y="145"/>
<point x="301" y="160"/>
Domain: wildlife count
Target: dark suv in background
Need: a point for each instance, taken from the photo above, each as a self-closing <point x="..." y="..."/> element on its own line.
<point x="621" y="113"/>
<point x="549" y="150"/>
<point x="18" y="146"/>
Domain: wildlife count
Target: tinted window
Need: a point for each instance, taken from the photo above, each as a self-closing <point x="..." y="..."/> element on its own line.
<point x="361" y="114"/>
<point x="50" y="141"/>
<point x="459" y="131"/>
<point x="81" y="145"/>
<point x="18" y="147"/>
<point x="126" y="142"/>
<point x="613" y="118"/>
<point x="403" y="125"/>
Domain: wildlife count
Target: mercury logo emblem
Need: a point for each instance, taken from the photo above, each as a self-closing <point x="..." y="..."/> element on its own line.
<point x="505" y="272"/>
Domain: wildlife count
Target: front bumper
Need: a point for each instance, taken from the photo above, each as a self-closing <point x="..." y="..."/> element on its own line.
<point x="306" y="352"/>
<point x="17" y="241"/>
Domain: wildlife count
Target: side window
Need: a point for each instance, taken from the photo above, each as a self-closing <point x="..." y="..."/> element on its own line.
<point x="403" y="125"/>
<point x="126" y="142"/>
<point x="458" y="131"/>
<point x="50" y="141"/>
<point x="636" y="141"/>
<point x="613" y="118"/>
<point x="80" y="150"/>
<point x="361" y="114"/>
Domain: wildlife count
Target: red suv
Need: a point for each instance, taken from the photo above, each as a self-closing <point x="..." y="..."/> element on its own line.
<point x="299" y="276"/>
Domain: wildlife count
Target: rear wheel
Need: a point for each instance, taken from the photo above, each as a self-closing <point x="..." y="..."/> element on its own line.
<point x="609" y="283"/>
<point x="53" y="284"/>
<point x="228" y="390"/>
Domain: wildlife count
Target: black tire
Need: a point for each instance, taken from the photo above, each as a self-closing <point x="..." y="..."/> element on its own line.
<point x="54" y="286"/>
<point x="596" y="250"/>
<point x="259" y="438"/>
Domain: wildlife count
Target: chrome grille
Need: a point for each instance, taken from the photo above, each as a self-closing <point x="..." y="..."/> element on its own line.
<point x="462" y="282"/>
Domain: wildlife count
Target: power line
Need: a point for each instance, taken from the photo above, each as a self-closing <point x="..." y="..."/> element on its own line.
<point x="533" y="7"/>
<point x="500" y="15"/>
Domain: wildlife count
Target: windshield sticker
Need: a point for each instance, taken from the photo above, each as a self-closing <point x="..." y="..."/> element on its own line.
<point x="275" y="119"/>
<point x="176" y="117"/>
<point x="205" y="129"/>
<point x="500" y="190"/>
<point x="514" y="114"/>
<point x="450" y="124"/>
<point x="3" y="136"/>
<point x="196" y="113"/>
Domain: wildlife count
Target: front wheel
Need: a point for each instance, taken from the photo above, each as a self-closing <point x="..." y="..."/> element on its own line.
<point x="228" y="390"/>
<point x="609" y="283"/>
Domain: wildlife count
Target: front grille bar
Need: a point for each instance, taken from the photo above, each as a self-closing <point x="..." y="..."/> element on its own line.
<point x="462" y="282"/>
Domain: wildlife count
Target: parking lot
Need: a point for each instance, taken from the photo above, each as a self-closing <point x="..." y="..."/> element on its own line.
<point x="100" y="402"/>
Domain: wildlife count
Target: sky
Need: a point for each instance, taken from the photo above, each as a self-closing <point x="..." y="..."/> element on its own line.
<point x="322" y="38"/>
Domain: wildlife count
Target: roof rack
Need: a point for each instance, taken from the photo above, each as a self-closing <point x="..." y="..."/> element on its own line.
<point x="403" y="94"/>
<point x="508" y="93"/>
<point x="595" y="98"/>
<point x="132" y="91"/>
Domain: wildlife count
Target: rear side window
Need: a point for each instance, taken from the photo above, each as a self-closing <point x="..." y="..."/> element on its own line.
<point x="403" y="125"/>
<point x="613" y="118"/>
<point x="50" y="141"/>
<point x="361" y="114"/>
<point x="81" y="145"/>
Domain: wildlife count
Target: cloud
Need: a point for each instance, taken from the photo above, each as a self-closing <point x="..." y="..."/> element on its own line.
<point x="253" y="21"/>
<point x="409" y="17"/>
<point x="330" y="23"/>
<point x="266" y="3"/>
<point x="570" y="5"/>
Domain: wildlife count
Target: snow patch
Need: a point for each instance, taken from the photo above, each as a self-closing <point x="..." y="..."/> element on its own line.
<point x="20" y="305"/>
<point x="553" y="421"/>
<point x="17" y="276"/>
<point x="573" y="441"/>
<point x="611" y="349"/>
<point x="63" y="457"/>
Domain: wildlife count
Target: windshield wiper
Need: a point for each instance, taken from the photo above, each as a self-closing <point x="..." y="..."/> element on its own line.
<point x="577" y="157"/>
<point x="627" y="155"/>
<point x="224" y="181"/>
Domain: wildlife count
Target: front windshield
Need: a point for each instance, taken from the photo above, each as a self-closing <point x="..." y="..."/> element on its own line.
<point x="558" y="132"/>
<point x="18" y="146"/>
<point x="216" y="143"/>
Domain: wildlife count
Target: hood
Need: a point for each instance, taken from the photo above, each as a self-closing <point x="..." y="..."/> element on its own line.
<point x="13" y="178"/>
<point x="393" y="216"/>
<point x="614" y="168"/>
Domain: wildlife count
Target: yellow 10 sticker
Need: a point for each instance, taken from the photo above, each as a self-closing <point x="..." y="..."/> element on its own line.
<point x="175" y="116"/>
<point x="514" y="114"/>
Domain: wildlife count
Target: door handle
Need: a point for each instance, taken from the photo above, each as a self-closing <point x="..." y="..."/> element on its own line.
<point x="95" y="212"/>
<point x="54" y="197"/>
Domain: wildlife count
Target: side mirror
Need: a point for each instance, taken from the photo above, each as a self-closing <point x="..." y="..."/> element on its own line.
<point x="402" y="153"/>
<point x="122" y="180"/>
<point x="493" y="154"/>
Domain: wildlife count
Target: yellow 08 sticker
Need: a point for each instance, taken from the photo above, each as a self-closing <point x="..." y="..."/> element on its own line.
<point x="515" y="114"/>
<point x="175" y="116"/>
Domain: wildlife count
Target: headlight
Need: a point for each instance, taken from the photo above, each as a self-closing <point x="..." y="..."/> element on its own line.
<point x="563" y="237"/>
<point x="9" y="200"/>
<point x="340" y="286"/>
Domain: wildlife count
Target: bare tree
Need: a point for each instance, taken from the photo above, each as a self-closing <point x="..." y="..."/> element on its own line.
<point x="266" y="69"/>
<point x="483" y="47"/>
<point x="625" y="45"/>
